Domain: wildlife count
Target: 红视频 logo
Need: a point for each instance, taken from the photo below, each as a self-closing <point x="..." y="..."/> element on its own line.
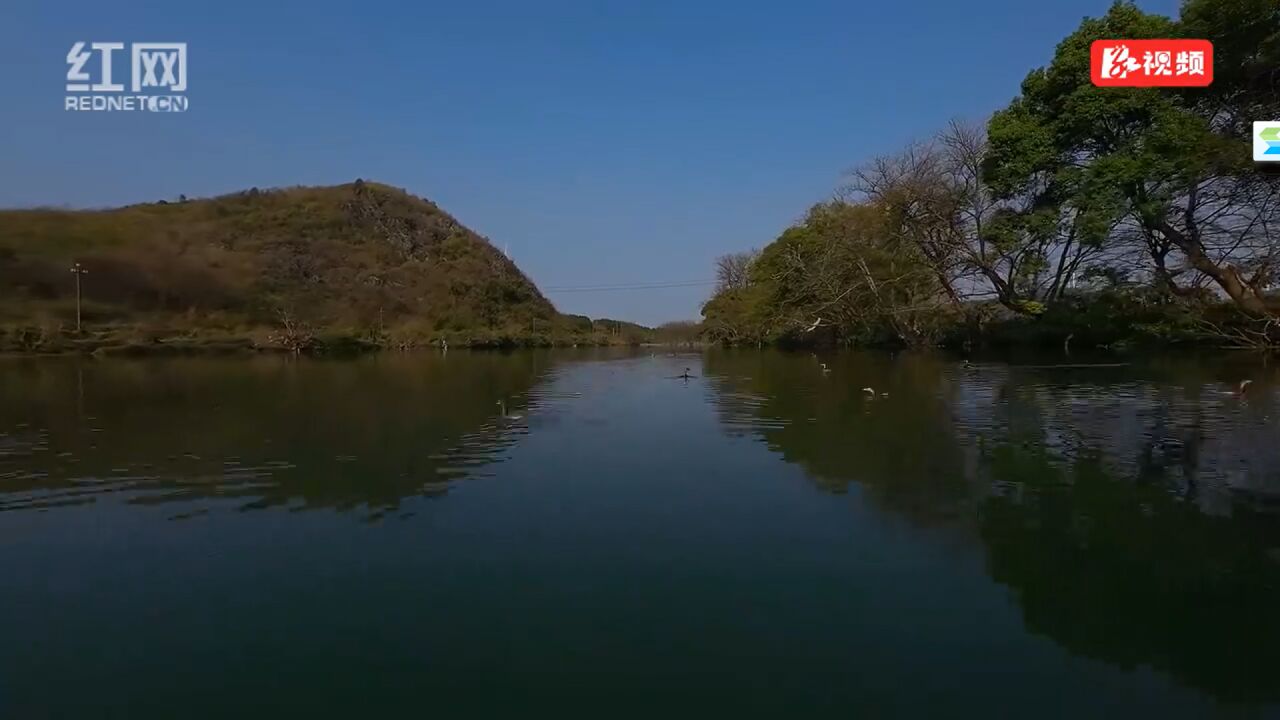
<point x="157" y="77"/>
<point x="1151" y="63"/>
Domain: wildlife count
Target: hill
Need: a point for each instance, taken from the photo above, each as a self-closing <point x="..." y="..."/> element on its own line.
<point x="355" y="264"/>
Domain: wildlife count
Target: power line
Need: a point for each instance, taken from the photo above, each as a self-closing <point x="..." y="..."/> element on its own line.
<point x="661" y="285"/>
<point x="647" y="283"/>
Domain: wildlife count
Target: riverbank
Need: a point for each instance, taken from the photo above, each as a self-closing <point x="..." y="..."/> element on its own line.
<point x="138" y="341"/>
<point x="1117" y="320"/>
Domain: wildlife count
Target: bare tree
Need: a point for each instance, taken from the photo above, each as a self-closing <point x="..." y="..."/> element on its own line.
<point x="294" y="335"/>
<point x="934" y="198"/>
<point x="733" y="271"/>
<point x="1224" y="227"/>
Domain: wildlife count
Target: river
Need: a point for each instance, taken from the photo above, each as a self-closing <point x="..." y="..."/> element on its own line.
<point x="582" y="531"/>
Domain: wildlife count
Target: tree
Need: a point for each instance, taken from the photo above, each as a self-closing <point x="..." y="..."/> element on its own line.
<point x="1170" y="163"/>
<point x="837" y="270"/>
<point x="1022" y="248"/>
<point x="733" y="271"/>
<point x="921" y="206"/>
<point x="679" y="332"/>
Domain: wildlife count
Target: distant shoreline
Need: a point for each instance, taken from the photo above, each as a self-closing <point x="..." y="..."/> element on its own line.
<point x="120" y="344"/>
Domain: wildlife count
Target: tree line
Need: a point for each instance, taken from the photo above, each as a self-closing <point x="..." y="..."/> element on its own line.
<point x="1107" y="214"/>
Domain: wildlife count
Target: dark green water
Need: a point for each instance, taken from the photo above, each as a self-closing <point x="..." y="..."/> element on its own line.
<point x="267" y="537"/>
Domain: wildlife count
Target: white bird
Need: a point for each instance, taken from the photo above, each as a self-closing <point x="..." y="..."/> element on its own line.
<point x="1240" y="390"/>
<point x="503" y="405"/>
<point x="825" y="369"/>
<point x="869" y="390"/>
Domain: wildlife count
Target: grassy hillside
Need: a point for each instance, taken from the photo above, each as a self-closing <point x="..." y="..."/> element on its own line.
<point x="356" y="264"/>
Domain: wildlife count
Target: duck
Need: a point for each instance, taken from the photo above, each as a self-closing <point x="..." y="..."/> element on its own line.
<point x="869" y="390"/>
<point x="685" y="375"/>
<point x="1240" y="390"/>
<point x="825" y="369"/>
<point x="503" y="405"/>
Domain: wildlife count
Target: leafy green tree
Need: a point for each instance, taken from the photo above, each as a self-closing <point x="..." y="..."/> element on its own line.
<point x="838" y="272"/>
<point x="1020" y="249"/>
<point x="1166" y="168"/>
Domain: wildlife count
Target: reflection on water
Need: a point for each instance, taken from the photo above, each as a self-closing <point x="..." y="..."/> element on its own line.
<point x="891" y="536"/>
<point x="1133" y="511"/>
<point x="265" y="432"/>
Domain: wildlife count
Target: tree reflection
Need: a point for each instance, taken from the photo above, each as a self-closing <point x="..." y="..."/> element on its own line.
<point x="900" y="449"/>
<point x="1129" y="573"/>
<point x="1110" y="505"/>
<point x="265" y="432"/>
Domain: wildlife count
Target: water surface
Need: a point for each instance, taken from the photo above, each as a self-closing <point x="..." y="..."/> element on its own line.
<point x="424" y="534"/>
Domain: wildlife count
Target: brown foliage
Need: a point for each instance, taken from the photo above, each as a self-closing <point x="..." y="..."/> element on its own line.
<point x="360" y="256"/>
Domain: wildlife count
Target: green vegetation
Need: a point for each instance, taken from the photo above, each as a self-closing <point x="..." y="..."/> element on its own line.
<point x="356" y="266"/>
<point x="681" y="333"/>
<point x="1099" y="216"/>
<point x="1078" y="215"/>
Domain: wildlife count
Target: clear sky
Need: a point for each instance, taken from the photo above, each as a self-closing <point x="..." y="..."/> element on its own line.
<point x="603" y="142"/>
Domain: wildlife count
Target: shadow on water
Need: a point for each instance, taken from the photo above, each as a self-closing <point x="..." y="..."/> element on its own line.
<point x="1133" y="512"/>
<point x="268" y="432"/>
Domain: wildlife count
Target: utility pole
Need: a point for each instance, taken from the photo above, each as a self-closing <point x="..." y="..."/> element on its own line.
<point x="78" y="270"/>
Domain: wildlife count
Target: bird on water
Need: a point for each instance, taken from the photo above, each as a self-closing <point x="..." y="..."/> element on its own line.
<point x="1239" y="391"/>
<point x="503" y="405"/>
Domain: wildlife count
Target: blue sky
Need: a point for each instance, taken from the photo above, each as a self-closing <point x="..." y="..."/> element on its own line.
<point x="602" y="142"/>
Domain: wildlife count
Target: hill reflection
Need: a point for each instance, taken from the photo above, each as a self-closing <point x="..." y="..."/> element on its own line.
<point x="1131" y="511"/>
<point x="265" y="432"/>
